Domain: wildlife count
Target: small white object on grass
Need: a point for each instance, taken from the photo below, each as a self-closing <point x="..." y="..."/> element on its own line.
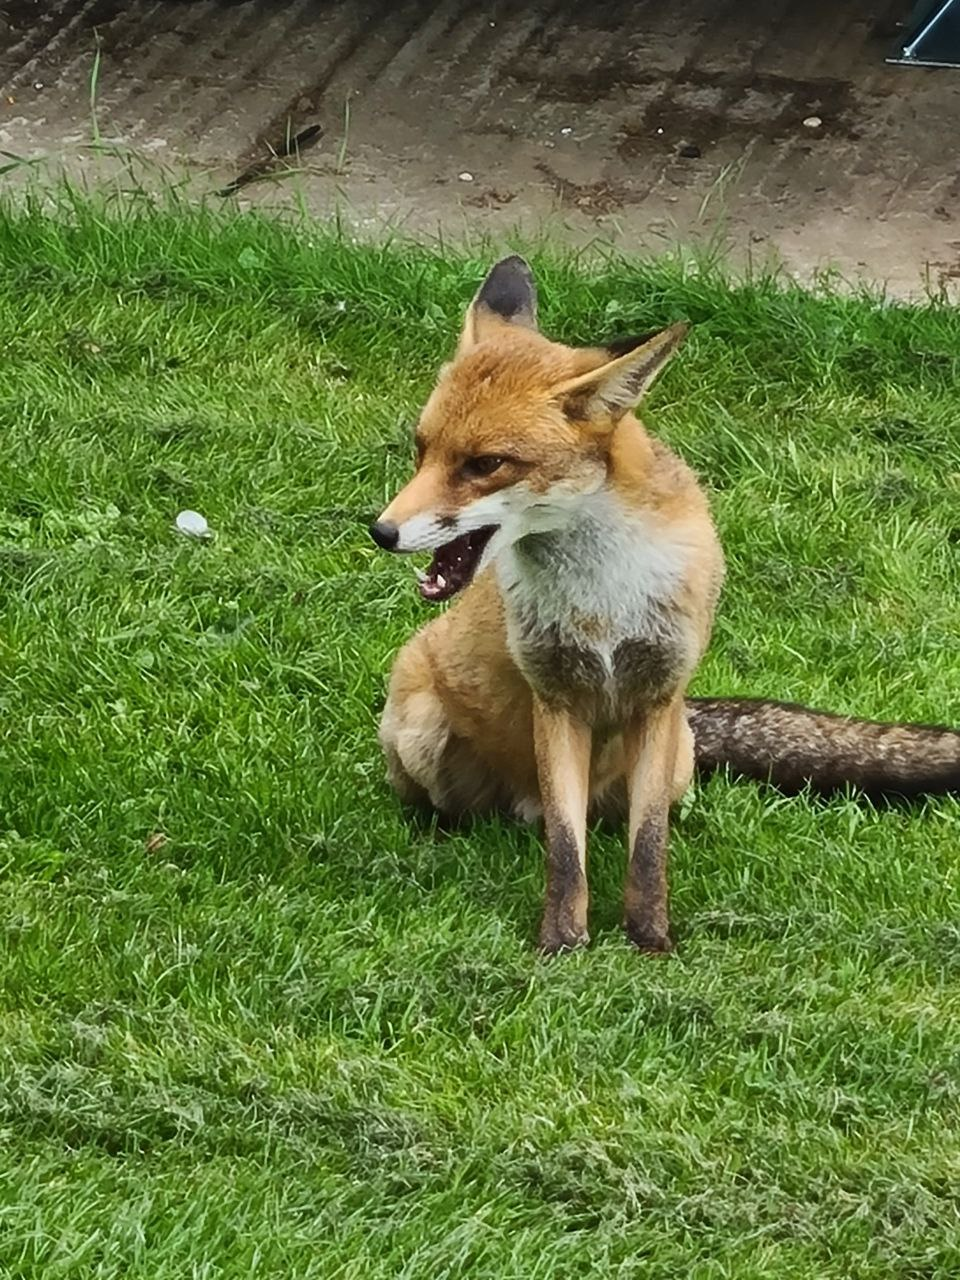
<point x="465" y="177"/>
<point x="193" y="524"/>
<point x="812" y="122"/>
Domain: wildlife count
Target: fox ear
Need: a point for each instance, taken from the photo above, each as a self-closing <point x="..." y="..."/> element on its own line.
<point x="620" y="384"/>
<point x="507" y="296"/>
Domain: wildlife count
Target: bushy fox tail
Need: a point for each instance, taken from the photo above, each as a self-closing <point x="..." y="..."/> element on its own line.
<point x="793" y="747"/>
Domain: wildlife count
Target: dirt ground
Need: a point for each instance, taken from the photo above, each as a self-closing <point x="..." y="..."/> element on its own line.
<point x="637" y="124"/>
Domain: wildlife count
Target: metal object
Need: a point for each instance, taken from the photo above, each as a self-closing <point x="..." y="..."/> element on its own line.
<point x="932" y="36"/>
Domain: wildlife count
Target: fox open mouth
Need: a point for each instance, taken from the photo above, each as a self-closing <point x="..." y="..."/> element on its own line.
<point x="454" y="564"/>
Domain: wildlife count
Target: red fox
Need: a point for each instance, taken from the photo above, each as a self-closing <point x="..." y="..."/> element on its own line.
<point x="590" y="569"/>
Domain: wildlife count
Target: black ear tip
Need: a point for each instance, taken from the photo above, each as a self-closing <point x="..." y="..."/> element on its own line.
<point x="515" y="263"/>
<point x="673" y="335"/>
<point x="509" y="289"/>
<point x="514" y="268"/>
<point x="616" y="347"/>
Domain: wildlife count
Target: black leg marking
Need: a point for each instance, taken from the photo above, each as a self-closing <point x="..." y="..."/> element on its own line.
<point x="565" y="909"/>
<point x="646" y="916"/>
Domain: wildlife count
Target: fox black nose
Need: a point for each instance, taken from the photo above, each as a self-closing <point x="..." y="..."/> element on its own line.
<point x="385" y="534"/>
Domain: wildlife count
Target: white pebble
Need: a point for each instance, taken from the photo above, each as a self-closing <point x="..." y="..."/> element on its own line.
<point x="812" y="122"/>
<point x="193" y="524"/>
<point x="465" y="177"/>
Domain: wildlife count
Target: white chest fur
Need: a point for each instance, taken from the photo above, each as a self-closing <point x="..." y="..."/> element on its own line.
<point x="602" y="580"/>
<point x="593" y="605"/>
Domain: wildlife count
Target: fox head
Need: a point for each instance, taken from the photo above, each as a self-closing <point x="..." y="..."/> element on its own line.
<point x="515" y="435"/>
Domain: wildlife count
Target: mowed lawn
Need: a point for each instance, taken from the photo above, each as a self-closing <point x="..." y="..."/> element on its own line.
<point x="254" y="1021"/>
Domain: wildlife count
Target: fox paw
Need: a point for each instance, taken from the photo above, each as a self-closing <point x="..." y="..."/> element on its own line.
<point x="561" y="933"/>
<point x="645" y="938"/>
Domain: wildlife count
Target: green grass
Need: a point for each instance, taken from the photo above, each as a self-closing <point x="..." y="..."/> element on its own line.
<point x="305" y="1038"/>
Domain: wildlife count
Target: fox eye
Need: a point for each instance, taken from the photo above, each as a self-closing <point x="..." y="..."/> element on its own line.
<point x="483" y="465"/>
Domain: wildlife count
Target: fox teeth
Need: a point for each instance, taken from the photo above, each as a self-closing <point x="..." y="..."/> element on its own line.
<point x="441" y="581"/>
<point x="421" y="576"/>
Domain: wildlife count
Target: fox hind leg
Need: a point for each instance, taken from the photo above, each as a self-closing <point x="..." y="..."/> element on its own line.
<point x="428" y="763"/>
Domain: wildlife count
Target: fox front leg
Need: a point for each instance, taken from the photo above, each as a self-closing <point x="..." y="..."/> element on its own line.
<point x="563" y="747"/>
<point x="651" y="745"/>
